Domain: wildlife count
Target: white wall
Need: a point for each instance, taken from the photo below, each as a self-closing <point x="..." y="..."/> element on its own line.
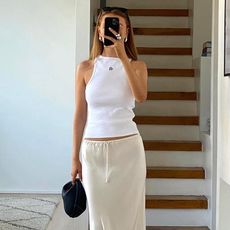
<point x="223" y="101"/>
<point x="86" y="13"/>
<point x="203" y="85"/>
<point x="83" y="29"/>
<point x="37" y="40"/>
<point x="223" y="129"/>
<point x="224" y="205"/>
<point x="220" y="120"/>
<point x="200" y="21"/>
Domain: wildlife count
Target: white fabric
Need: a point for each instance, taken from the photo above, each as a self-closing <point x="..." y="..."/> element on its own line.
<point x="110" y="100"/>
<point x="113" y="175"/>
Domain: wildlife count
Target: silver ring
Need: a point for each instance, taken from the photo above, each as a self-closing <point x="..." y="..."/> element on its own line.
<point x="118" y="36"/>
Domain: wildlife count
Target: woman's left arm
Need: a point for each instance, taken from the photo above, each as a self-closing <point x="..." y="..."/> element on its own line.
<point x="138" y="75"/>
<point x="137" y="78"/>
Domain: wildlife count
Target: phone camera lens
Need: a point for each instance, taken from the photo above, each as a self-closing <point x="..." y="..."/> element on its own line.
<point x="114" y="22"/>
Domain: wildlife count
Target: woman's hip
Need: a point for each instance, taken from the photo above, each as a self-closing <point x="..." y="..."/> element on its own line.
<point x="123" y="156"/>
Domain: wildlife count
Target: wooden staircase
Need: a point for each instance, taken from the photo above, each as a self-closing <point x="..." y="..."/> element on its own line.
<point x="147" y="116"/>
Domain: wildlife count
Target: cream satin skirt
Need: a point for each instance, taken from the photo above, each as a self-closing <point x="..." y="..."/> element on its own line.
<point x="113" y="175"/>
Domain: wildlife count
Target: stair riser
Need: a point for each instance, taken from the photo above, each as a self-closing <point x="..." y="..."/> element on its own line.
<point x="167" y="61"/>
<point x="162" y="41"/>
<point x="175" y="158"/>
<point x="177" y="217"/>
<point x="169" y="4"/>
<point x="171" y="84"/>
<point x="169" y="132"/>
<point x="176" y="186"/>
<point x="166" y="107"/>
<point x="159" y="21"/>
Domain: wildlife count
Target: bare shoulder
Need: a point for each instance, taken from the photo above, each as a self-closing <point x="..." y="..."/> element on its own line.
<point x="82" y="69"/>
<point x="85" y="65"/>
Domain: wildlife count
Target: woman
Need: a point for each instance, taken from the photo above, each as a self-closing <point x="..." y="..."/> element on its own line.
<point x="113" y="169"/>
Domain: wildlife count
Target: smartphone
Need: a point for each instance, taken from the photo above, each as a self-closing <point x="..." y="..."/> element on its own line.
<point x="112" y="22"/>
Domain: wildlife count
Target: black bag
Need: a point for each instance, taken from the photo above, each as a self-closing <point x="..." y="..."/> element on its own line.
<point x="74" y="198"/>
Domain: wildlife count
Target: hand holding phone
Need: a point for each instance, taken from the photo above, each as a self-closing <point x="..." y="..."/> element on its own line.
<point x="112" y="22"/>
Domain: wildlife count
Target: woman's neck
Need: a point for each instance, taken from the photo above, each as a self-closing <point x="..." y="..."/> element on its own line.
<point x="109" y="52"/>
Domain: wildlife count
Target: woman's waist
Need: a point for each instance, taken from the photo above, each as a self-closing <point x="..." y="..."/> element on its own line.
<point x="109" y="138"/>
<point x="110" y="121"/>
<point x="110" y="129"/>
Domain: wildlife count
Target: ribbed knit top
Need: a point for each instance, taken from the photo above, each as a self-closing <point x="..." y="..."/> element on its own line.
<point x="110" y="101"/>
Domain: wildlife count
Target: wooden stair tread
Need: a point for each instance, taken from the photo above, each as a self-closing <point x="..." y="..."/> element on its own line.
<point x="171" y="72"/>
<point x="161" y="31"/>
<point x="175" y="172"/>
<point x="167" y="120"/>
<point x="164" y="50"/>
<point x="159" y="12"/>
<point x="177" y="228"/>
<point x="172" y="145"/>
<point x="176" y="201"/>
<point x="172" y="96"/>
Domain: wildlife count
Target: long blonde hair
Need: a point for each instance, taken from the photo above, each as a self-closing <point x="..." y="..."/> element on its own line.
<point x="97" y="47"/>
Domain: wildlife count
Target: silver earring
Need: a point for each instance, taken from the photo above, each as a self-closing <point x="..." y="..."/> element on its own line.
<point x="126" y="39"/>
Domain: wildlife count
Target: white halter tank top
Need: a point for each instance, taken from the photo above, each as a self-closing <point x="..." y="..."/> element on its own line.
<point x="110" y="101"/>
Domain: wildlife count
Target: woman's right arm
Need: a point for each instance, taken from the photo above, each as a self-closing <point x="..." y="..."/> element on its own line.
<point x="80" y="118"/>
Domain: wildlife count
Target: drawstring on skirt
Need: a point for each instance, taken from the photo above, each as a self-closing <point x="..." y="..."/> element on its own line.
<point x="106" y="145"/>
